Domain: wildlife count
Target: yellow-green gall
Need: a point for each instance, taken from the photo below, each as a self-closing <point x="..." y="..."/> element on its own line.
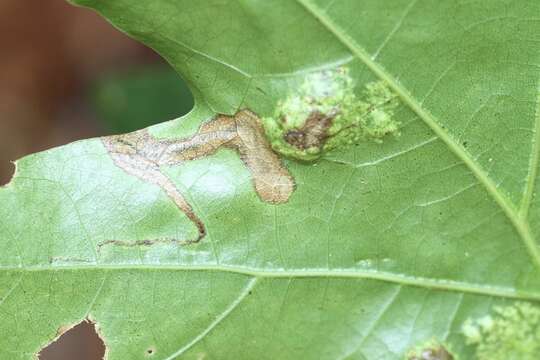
<point x="512" y="332"/>
<point x="325" y="113"/>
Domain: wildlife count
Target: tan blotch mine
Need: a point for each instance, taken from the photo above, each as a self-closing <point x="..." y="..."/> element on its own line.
<point x="141" y="155"/>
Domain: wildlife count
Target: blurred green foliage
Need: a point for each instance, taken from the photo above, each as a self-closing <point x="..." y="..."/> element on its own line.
<point x="139" y="97"/>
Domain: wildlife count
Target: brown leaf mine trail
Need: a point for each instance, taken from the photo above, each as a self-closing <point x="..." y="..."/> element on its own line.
<point x="141" y="155"/>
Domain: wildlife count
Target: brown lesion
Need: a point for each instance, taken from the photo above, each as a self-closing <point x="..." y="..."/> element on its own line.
<point x="141" y="155"/>
<point x="146" y="242"/>
<point x="431" y="353"/>
<point x="313" y="133"/>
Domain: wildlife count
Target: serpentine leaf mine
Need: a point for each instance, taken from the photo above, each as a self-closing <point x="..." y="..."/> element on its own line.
<point x="325" y="113"/>
<point x="141" y="155"/>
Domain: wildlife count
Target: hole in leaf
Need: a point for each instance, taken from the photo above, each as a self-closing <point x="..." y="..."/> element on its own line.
<point x="150" y="351"/>
<point x="80" y="342"/>
<point x="7" y="174"/>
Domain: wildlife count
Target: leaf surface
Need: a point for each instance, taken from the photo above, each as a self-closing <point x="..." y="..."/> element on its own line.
<point x="380" y="247"/>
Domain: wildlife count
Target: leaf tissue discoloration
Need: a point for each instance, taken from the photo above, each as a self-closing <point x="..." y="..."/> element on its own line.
<point x="326" y="113"/>
<point x="432" y="350"/>
<point x="313" y="133"/>
<point x="145" y="242"/>
<point x="141" y="155"/>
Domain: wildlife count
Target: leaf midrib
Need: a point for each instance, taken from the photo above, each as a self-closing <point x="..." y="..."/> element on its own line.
<point x="519" y="222"/>
<point x="534" y="163"/>
<point x="429" y="283"/>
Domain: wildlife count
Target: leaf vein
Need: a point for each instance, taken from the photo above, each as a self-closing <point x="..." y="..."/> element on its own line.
<point x="491" y="187"/>
<point x="395" y="29"/>
<point x="534" y="163"/>
<point x="10" y="291"/>
<point x="374" y="324"/>
<point x="95" y="298"/>
<point x="233" y="305"/>
<point x="430" y="283"/>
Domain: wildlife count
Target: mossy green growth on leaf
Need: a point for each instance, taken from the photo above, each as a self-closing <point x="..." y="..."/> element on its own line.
<point x="325" y="113"/>
<point x="512" y="333"/>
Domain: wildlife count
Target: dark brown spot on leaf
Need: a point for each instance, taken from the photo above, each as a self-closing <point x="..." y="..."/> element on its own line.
<point x="5" y="181"/>
<point x="313" y="133"/>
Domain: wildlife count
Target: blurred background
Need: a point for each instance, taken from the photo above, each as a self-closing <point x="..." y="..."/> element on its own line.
<point x="66" y="74"/>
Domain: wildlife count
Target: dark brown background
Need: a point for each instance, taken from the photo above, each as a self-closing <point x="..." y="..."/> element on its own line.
<point x="50" y="51"/>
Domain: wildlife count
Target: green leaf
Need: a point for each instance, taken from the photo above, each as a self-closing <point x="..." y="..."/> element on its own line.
<point x="379" y="249"/>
